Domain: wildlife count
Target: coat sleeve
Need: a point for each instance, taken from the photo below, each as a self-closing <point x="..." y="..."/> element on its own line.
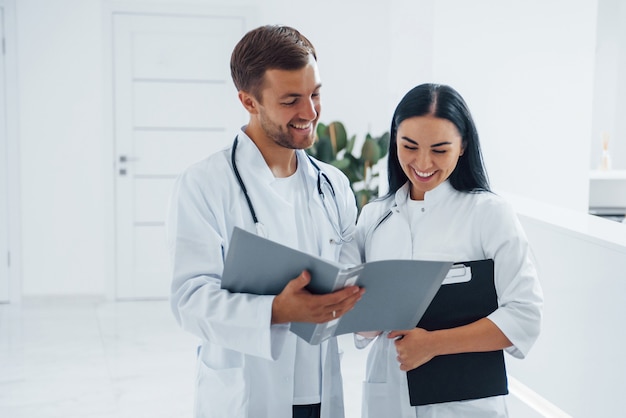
<point x="520" y="298"/>
<point x="235" y="321"/>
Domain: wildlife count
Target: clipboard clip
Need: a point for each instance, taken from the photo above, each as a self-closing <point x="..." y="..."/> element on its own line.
<point x="459" y="273"/>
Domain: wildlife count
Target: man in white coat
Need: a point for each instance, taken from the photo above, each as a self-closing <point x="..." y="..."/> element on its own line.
<point x="249" y="364"/>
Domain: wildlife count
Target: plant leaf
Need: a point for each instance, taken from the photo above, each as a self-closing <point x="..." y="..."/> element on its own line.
<point x="338" y="135"/>
<point x="350" y="144"/>
<point x="383" y="143"/>
<point x="325" y="150"/>
<point x="342" y="164"/>
<point x="371" y="151"/>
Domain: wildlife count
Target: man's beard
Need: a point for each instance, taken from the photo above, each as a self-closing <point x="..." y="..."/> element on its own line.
<point x="282" y="137"/>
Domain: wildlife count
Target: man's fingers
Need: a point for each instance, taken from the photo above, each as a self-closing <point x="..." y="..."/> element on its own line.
<point x="349" y="294"/>
<point x="301" y="281"/>
<point x="299" y="305"/>
<point x="344" y="301"/>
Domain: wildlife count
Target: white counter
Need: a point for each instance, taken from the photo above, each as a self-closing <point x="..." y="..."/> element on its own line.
<point x="584" y="226"/>
<point x="578" y="361"/>
<point x="607" y="175"/>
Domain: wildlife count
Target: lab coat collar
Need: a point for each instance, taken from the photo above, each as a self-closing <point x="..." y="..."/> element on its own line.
<point x="249" y="158"/>
<point x="310" y="172"/>
<point x="402" y="195"/>
<point x="431" y="198"/>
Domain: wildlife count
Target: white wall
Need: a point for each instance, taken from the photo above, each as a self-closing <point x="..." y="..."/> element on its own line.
<point x="526" y="70"/>
<point x="370" y="54"/>
<point x="60" y="70"/>
<point x="11" y="141"/>
<point x="610" y="84"/>
<point x="524" y="67"/>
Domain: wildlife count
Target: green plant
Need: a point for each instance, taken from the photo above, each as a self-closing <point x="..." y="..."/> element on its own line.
<point x="334" y="147"/>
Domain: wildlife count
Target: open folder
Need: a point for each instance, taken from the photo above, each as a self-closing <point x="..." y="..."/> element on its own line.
<point x="397" y="292"/>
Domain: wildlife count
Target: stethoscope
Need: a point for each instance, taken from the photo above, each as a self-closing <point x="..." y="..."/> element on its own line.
<point x="322" y="181"/>
<point x="381" y="220"/>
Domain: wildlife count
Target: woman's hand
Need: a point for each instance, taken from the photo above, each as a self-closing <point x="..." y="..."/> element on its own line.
<point x="418" y="346"/>
<point x="414" y="347"/>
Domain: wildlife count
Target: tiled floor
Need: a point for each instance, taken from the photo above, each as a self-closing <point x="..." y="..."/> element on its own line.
<point x="81" y="358"/>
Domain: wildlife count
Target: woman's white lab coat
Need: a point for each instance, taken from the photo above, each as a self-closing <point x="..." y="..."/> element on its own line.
<point x="245" y="364"/>
<point x="452" y="226"/>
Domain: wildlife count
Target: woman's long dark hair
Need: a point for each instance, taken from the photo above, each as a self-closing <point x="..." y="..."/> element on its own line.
<point x="443" y="102"/>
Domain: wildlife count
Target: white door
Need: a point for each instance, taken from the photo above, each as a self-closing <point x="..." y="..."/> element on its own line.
<point x="4" y="174"/>
<point x="174" y="103"/>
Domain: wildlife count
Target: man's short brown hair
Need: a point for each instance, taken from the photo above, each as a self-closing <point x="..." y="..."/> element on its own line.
<point x="266" y="48"/>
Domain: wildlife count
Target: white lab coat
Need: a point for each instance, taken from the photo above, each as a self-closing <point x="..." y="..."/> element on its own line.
<point x="245" y="364"/>
<point x="452" y="226"/>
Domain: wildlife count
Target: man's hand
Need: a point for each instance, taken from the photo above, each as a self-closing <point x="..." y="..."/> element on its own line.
<point x="297" y="304"/>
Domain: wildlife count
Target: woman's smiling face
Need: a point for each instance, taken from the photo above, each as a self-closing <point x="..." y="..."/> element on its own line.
<point x="428" y="151"/>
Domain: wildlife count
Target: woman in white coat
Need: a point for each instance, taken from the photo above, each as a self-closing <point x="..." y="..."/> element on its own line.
<point x="439" y="206"/>
<point x="249" y="364"/>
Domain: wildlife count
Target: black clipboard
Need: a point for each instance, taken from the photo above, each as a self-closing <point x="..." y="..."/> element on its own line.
<point x="458" y="377"/>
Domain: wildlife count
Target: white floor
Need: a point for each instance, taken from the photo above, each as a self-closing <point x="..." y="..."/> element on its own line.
<point x="68" y="357"/>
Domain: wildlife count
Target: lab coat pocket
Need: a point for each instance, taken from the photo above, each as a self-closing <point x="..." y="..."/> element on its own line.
<point x="220" y="392"/>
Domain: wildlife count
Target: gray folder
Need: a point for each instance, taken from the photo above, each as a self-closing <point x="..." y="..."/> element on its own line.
<point x="397" y="292"/>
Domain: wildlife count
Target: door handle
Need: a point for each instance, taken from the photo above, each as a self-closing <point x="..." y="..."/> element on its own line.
<point x="127" y="159"/>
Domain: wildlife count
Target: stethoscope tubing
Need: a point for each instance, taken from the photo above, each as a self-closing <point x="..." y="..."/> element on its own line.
<point x="382" y="219"/>
<point x="242" y="184"/>
<point x="259" y="225"/>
